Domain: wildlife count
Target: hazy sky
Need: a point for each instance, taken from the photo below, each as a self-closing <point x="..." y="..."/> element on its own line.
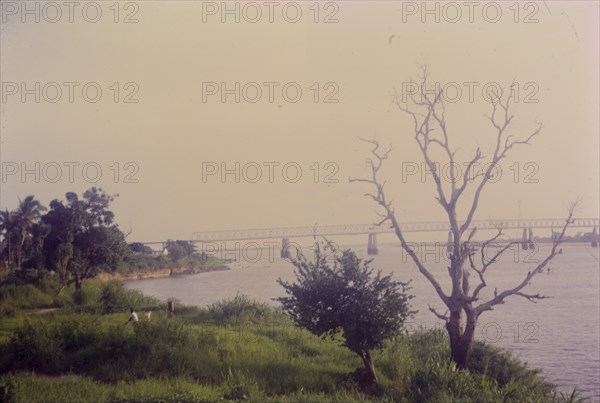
<point x="175" y="57"/>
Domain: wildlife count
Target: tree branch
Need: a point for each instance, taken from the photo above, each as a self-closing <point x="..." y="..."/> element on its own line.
<point x="499" y="298"/>
<point x="443" y="317"/>
<point x="500" y="150"/>
<point x="533" y="298"/>
<point x="379" y="198"/>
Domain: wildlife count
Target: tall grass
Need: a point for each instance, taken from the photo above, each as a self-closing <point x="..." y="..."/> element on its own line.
<point x="235" y="350"/>
<point x="95" y="297"/>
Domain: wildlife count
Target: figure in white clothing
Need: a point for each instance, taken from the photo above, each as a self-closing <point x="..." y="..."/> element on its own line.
<point x="133" y="317"/>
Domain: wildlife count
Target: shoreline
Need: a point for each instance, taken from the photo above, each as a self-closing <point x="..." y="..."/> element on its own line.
<point x="162" y="273"/>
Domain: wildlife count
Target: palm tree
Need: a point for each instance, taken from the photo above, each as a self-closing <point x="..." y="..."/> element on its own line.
<point x="29" y="211"/>
<point x="7" y="226"/>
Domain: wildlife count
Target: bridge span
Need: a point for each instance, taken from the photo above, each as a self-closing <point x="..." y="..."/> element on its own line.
<point x="285" y="233"/>
<point x="359" y="229"/>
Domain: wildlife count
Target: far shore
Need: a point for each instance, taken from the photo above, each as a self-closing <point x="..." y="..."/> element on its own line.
<point x="162" y="273"/>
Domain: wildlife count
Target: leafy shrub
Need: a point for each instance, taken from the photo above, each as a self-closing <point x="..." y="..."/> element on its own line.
<point x="107" y="297"/>
<point x="25" y="297"/>
<point x="347" y="296"/>
<point x="112" y="297"/>
<point x="240" y="309"/>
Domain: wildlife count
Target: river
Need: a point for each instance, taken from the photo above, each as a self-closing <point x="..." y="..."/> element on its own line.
<point x="560" y="335"/>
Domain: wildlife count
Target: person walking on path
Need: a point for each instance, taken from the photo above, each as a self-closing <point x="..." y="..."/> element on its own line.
<point x="133" y="317"/>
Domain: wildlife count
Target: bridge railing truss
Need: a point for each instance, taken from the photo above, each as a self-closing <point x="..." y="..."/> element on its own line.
<point x="356" y="229"/>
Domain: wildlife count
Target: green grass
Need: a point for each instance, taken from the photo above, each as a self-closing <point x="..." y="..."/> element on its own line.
<point x="31" y="388"/>
<point x="95" y="297"/>
<point x="8" y="326"/>
<point x="234" y="350"/>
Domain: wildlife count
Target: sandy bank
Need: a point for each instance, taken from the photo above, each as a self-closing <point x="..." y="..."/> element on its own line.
<point x="143" y="275"/>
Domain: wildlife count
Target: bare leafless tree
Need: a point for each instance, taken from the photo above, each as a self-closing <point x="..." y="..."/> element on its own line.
<point x="464" y="305"/>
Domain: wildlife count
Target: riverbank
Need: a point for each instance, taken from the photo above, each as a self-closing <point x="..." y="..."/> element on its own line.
<point x="159" y="273"/>
<point x="236" y="350"/>
<point x="540" y="334"/>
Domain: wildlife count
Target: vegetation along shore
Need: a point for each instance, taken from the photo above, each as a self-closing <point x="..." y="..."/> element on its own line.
<point x="337" y="336"/>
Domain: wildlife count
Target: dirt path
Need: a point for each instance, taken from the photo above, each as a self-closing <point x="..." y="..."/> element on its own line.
<point x="42" y="311"/>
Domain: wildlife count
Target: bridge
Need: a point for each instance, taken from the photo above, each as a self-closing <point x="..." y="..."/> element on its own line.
<point x="285" y="233"/>
<point x="358" y="229"/>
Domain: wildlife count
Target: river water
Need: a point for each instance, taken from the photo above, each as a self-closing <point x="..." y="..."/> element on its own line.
<point x="560" y="335"/>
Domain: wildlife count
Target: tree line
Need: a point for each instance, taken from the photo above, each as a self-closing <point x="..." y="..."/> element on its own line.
<point x="75" y="238"/>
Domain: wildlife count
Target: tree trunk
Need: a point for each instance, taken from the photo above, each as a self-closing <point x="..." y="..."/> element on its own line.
<point x="20" y="251"/>
<point x="461" y="340"/>
<point x="63" y="276"/>
<point x="369" y="367"/>
<point x="9" y="251"/>
<point x="79" y="282"/>
<point x="18" y="257"/>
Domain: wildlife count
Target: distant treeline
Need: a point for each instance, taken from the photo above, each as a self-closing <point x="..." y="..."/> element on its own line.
<point x="76" y="239"/>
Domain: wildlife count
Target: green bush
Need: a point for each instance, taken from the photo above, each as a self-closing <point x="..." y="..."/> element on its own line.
<point x="112" y="297"/>
<point x="25" y="297"/>
<point x="240" y="309"/>
<point x="109" y="297"/>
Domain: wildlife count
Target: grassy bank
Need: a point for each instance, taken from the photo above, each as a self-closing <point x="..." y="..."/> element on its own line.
<point x="231" y="351"/>
<point x="96" y="297"/>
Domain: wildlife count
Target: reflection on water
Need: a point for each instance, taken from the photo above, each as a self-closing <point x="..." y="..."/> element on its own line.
<point x="559" y="335"/>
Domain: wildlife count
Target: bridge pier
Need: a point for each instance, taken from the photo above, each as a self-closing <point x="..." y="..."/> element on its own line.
<point x="372" y="244"/>
<point x="594" y="238"/>
<point x="530" y="241"/>
<point x="285" y="250"/>
<point x="524" y="240"/>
